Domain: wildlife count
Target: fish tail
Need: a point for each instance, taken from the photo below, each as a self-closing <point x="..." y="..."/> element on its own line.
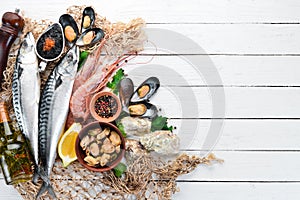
<point x="36" y="175"/>
<point x="46" y="187"/>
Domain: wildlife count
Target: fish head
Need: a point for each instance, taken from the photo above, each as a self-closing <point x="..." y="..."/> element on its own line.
<point x="26" y="53"/>
<point x="69" y="64"/>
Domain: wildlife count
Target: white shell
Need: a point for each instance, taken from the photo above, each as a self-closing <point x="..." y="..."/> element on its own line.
<point x="136" y="126"/>
<point x="161" y="142"/>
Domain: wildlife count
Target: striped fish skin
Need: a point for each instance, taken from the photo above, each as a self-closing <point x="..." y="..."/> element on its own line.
<point x="26" y="92"/>
<point x="53" y="111"/>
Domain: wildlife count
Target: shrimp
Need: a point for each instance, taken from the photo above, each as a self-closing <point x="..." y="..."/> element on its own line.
<point x="79" y="103"/>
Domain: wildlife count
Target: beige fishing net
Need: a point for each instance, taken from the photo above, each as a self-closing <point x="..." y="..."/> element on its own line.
<point x="147" y="177"/>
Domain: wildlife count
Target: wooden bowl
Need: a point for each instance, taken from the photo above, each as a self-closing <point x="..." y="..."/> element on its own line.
<point x="81" y="153"/>
<point x="98" y="117"/>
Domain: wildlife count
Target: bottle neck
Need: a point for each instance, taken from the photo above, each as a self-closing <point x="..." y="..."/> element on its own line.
<point x="4" y="116"/>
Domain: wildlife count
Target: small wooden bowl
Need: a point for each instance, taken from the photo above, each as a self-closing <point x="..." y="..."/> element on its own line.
<point x="103" y="119"/>
<point x="81" y="154"/>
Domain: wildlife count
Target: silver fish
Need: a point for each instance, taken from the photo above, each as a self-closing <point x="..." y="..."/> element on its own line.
<point x="54" y="106"/>
<point x="26" y="94"/>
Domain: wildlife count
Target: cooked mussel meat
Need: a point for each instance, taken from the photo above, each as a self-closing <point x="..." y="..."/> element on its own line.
<point x="143" y="109"/>
<point x="88" y="19"/>
<point x="126" y="89"/>
<point x="90" y="37"/>
<point x="146" y="90"/>
<point x="51" y="43"/>
<point x="70" y="28"/>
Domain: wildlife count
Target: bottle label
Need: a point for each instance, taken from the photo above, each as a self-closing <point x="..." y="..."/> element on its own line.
<point x="4" y="117"/>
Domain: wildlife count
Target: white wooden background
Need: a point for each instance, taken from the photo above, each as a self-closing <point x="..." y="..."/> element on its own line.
<point x="255" y="45"/>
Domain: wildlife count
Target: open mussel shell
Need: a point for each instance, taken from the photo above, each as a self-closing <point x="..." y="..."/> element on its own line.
<point x="50" y="43"/>
<point x="90" y="37"/>
<point x="126" y="89"/>
<point x="88" y="19"/>
<point x="70" y="29"/>
<point x="146" y="90"/>
<point x="143" y="109"/>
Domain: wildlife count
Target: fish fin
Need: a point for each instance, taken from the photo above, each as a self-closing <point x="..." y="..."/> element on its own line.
<point x="46" y="187"/>
<point x="36" y="176"/>
<point x="20" y="71"/>
<point x="58" y="82"/>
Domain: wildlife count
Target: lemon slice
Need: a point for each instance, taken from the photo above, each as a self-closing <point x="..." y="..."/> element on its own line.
<point x="66" y="145"/>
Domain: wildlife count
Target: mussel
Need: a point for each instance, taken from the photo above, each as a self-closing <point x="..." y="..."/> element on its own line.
<point x="70" y="29"/>
<point x="90" y="37"/>
<point x="126" y="89"/>
<point x="146" y="90"/>
<point x="50" y="44"/>
<point x="88" y="19"/>
<point x="143" y="109"/>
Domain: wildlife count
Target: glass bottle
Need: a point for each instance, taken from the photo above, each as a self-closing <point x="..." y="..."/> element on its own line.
<point x="15" y="157"/>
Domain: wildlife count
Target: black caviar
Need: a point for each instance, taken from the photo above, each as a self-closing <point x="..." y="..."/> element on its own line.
<point x="55" y="34"/>
<point x="106" y="106"/>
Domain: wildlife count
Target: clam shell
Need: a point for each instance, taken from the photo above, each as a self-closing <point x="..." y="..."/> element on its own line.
<point x="97" y="35"/>
<point x="88" y="19"/>
<point x="149" y="112"/>
<point x="53" y="32"/>
<point x="67" y="20"/>
<point x="146" y="90"/>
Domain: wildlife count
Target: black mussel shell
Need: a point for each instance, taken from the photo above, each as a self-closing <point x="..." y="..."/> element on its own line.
<point x="51" y="43"/>
<point x="143" y="109"/>
<point x="90" y="37"/>
<point x="70" y="28"/>
<point x="88" y="19"/>
<point x="126" y="89"/>
<point x="146" y="90"/>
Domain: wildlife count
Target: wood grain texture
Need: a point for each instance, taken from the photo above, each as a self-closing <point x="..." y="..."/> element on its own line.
<point x="254" y="45"/>
<point x="177" y="11"/>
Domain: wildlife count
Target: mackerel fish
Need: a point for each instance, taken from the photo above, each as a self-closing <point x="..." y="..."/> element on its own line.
<point x="26" y="94"/>
<point x="53" y="111"/>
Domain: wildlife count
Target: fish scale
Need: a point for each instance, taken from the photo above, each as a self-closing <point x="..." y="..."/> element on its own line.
<point x="53" y="111"/>
<point x="26" y="94"/>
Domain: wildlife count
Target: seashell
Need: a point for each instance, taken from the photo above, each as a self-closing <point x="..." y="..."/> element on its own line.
<point x="161" y="142"/>
<point x="50" y="43"/>
<point x="136" y="126"/>
<point x="90" y="37"/>
<point x="126" y="89"/>
<point x="115" y="138"/>
<point x="88" y="19"/>
<point x="91" y="160"/>
<point x="143" y="109"/>
<point x="94" y="132"/>
<point x="146" y="90"/>
<point x="134" y="150"/>
<point x="70" y="29"/>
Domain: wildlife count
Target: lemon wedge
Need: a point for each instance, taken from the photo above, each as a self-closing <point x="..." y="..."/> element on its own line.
<point x="66" y="145"/>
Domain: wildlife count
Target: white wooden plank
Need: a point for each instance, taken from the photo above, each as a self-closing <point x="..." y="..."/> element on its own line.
<point x="241" y="134"/>
<point x="155" y="11"/>
<point x="231" y="38"/>
<point x="238" y="191"/>
<point x="186" y="102"/>
<point x="233" y="70"/>
<point x="8" y="192"/>
<point x="250" y="166"/>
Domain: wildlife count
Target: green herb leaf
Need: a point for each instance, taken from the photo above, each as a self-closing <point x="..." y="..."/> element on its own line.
<point x="83" y="56"/>
<point x="119" y="169"/>
<point x="116" y="80"/>
<point x="121" y="128"/>
<point x="160" y="123"/>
